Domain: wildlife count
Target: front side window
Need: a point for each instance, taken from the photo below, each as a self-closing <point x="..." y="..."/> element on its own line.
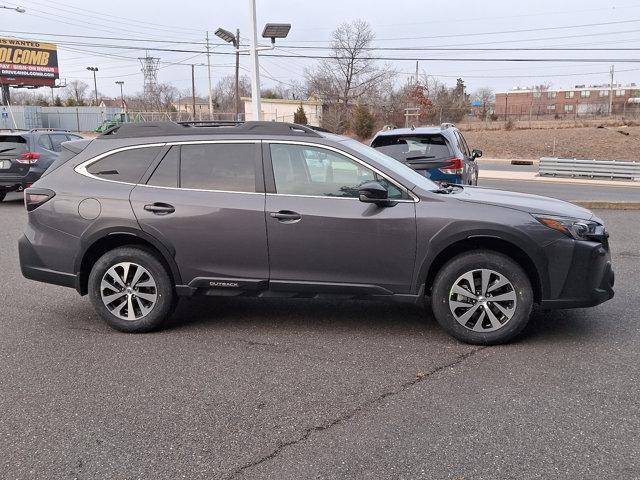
<point x="229" y="167"/>
<point x="463" y="145"/>
<point x="45" y="142"/>
<point x="126" y="166"/>
<point x="315" y="171"/>
<point x="56" y="141"/>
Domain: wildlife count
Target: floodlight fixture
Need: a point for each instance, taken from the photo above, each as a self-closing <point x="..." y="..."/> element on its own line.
<point x="226" y="35"/>
<point x="276" y="30"/>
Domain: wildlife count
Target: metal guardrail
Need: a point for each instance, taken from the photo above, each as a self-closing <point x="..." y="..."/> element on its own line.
<point x="571" y="167"/>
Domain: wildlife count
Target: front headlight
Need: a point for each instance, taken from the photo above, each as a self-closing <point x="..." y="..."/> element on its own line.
<point x="575" y="228"/>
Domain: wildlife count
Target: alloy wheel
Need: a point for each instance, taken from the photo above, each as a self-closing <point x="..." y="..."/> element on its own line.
<point x="482" y="300"/>
<point x="128" y="291"/>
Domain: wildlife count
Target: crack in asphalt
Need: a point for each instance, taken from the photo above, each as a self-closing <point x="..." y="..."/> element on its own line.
<point x="349" y="415"/>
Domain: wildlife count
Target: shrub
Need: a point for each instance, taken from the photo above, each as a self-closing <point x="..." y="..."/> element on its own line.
<point x="509" y="124"/>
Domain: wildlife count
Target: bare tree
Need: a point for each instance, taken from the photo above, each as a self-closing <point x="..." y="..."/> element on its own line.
<point x="351" y="74"/>
<point x="163" y="99"/>
<point x="224" y="92"/>
<point x="76" y="92"/>
<point x="487" y="100"/>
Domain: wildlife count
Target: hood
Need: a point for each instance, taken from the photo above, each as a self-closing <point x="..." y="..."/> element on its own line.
<point x="523" y="202"/>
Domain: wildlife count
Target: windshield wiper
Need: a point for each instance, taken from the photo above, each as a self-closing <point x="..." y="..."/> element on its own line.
<point x="7" y="149"/>
<point x="419" y="157"/>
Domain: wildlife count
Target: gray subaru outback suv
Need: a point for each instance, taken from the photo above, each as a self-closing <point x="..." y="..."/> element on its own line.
<point x="147" y="213"/>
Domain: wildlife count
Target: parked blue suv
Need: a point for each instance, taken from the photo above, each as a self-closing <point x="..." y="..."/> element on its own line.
<point x="26" y="154"/>
<point x="439" y="153"/>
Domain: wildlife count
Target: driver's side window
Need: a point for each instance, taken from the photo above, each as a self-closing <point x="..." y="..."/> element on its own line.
<point x="315" y="171"/>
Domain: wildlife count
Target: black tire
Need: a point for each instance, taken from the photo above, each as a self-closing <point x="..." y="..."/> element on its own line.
<point x="2" y="196"/>
<point x="519" y="288"/>
<point x="166" y="298"/>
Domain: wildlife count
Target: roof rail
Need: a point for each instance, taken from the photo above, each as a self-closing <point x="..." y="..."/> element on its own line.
<point x="446" y="125"/>
<point x="47" y="130"/>
<point x="154" y="129"/>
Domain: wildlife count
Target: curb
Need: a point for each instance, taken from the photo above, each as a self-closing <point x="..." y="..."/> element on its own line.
<point x="604" y="205"/>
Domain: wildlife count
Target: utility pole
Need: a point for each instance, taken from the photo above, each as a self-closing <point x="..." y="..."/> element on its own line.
<point x="416" y="72"/>
<point x="209" y="75"/>
<point x="193" y="91"/>
<point x="238" y="75"/>
<point x="255" y="74"/>
<point x="611" y="92"/>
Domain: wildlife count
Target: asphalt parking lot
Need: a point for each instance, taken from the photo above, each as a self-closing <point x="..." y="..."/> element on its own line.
<point x="246" y="388"/>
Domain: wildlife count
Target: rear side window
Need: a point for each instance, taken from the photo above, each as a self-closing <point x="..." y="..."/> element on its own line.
<point x="12" y="145"/>
<point x="126" y="166"/>
<point x="65" y="155"/>
<point x="218" y="166"/>
<point x="402" y="146"/>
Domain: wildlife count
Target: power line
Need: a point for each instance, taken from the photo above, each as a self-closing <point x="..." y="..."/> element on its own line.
<point x="118" y="19"/>
<point x="503" y="32"/>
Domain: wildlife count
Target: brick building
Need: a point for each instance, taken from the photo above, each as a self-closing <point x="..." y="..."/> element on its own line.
<point x="578" y="101"/>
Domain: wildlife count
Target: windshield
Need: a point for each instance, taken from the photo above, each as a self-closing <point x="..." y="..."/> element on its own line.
<point x="12" y="144"/>
<point x="401" y="146"/>
<point x="395" y="166"/>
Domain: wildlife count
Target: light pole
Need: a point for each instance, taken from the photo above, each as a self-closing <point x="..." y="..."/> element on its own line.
<point x="6" y="94"/>
<point x="272" y="31"/>
<point x="121" y="83"/>
<point x="95" y="84"/>
<point x="229" y="37"/>
<point x="16" y="9"/>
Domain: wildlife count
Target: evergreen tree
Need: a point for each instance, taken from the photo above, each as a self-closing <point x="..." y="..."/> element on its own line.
<point x="300" y="117"/>
<point x="363" y="122"/>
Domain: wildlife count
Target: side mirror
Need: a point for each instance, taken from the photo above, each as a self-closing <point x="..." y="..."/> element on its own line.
<point x="475" y="153"/>
<point x="373" y="192"/>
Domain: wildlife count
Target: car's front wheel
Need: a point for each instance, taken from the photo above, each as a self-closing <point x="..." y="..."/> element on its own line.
<point x="482" y="297"/>
<point x="131" y="289"/>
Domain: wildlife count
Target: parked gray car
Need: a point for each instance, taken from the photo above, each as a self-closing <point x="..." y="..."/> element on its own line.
<point x="149" y="212"/>
<point x="26" y="154"/>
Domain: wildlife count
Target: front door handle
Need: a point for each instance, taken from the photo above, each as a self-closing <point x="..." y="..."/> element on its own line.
<point x="286" y="216"/>
<point x="160" y="208"/>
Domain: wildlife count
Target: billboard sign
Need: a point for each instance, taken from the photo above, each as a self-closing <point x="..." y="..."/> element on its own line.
<point x="28" y="64"/>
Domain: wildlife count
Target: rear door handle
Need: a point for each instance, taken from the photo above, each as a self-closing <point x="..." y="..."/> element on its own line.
<point x="286" y="216"/>
<point x="160" y="208"/>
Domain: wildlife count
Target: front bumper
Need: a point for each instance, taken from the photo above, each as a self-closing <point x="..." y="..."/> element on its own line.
<point x="588" y="279"/>
<point x="33" y="268"/>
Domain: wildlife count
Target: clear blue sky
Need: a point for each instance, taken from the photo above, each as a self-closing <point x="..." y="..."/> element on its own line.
<point x="399" y="23"/>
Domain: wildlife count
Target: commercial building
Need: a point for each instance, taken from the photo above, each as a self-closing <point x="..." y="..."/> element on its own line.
<point x="581" y="100"/>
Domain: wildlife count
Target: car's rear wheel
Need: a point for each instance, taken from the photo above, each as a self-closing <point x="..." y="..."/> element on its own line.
<point x="482" y="297"/>
<point x="131" y="289"/>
